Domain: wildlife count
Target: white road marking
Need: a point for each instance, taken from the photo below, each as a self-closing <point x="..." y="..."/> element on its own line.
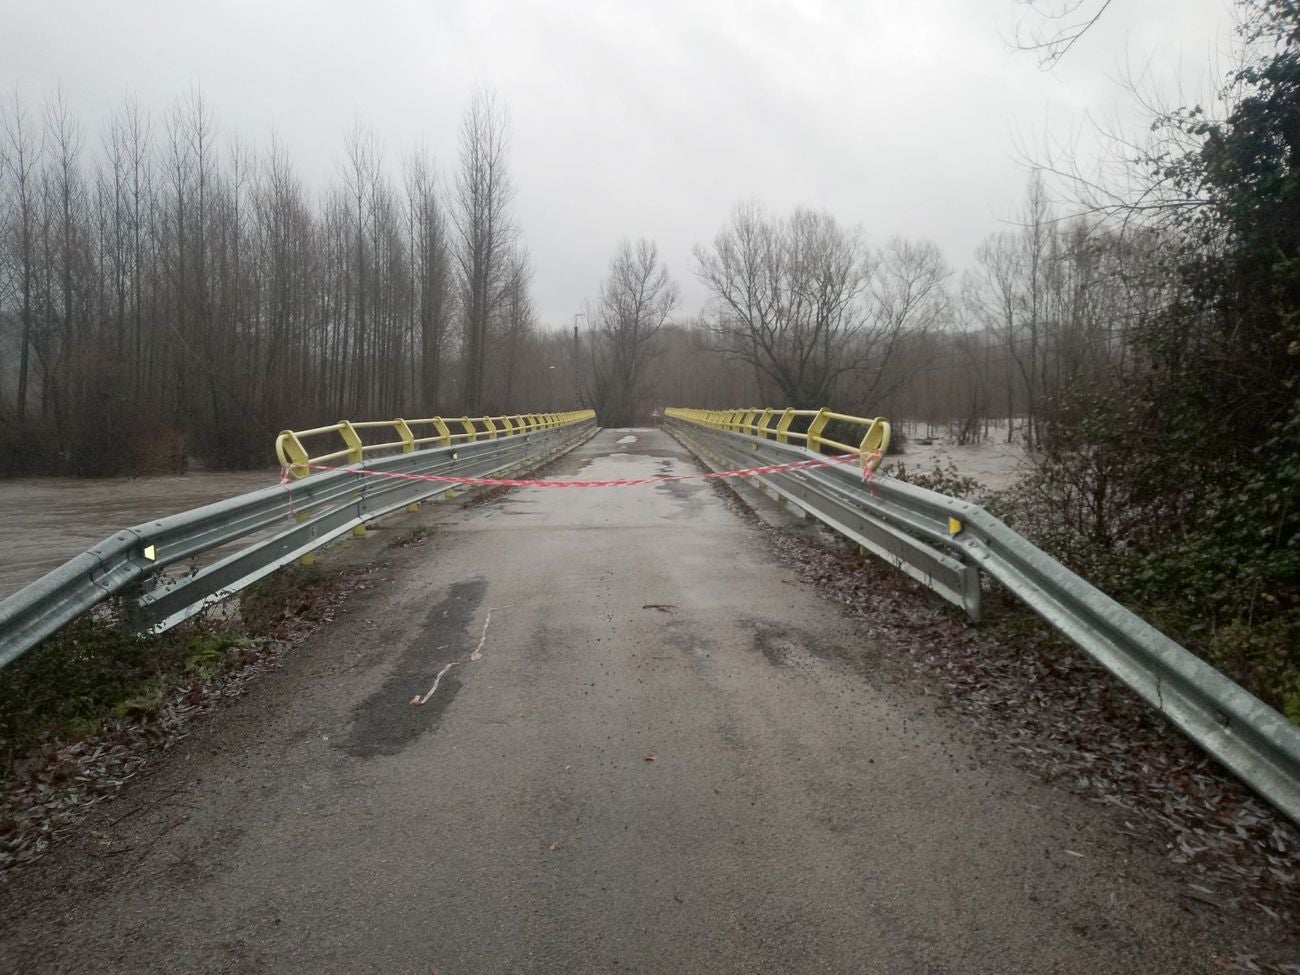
<point x="628" y="439"/>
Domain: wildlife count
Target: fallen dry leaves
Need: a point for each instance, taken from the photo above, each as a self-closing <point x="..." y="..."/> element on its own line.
<point x="1071" y="723"/>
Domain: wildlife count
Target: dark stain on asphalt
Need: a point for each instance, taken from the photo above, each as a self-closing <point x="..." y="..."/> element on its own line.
<point x="387" y="721"/>
<point x="773" y="642"/>
<point x="685" y="491"/>
<point x="782" y="645"/>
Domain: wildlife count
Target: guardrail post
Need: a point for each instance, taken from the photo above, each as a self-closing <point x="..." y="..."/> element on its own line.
<point x="128" y="599"/>
<point x="874" y="444"/>
<point x="468" y="424"/>
<point x="356" y="452"/>
<point x="407" y="437"/>
<point x="293" y="455"/>
<point x="815" y="429"/>
<point x="310" y="557"/>
<point x="408" y="446"/>
<point x="783" y="426"/>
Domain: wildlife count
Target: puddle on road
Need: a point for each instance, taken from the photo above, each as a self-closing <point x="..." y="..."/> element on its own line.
<point x="386" y="722"/>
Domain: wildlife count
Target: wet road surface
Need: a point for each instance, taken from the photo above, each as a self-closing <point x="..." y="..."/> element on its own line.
<point x="644" y="747"/>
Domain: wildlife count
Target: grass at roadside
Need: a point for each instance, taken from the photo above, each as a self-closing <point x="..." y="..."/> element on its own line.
<point x="95" y="672"/>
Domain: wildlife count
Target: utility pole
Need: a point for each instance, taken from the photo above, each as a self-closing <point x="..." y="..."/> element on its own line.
<point x="577" y="360"/>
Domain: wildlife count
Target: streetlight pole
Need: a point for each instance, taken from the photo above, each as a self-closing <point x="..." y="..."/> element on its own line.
<point x="577" y="359"/>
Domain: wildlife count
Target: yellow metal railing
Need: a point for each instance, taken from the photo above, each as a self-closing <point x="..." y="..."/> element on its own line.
<point x="411" y="435"/>
<point x="788" y="426"/>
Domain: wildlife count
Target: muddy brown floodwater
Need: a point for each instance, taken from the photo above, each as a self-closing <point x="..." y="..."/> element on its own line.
<point x="994" y="463"/>
<point x="45" y="521"/>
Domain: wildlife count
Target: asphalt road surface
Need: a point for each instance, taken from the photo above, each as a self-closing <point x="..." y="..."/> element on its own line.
<point x="650" y="748"/>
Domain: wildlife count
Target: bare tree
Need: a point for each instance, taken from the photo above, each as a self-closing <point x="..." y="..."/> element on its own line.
<point x="788" y="299"/>
<point x="908" y="299"/>
<point x="283" y="240"/>
<point x="132" y="130"/>
<point x="635" y="301"/>
<point x="518" y="321"/>
<point x="1014" y="271"/>
<point x="359" y="174"/>
<point x="20" y="159"/>
<point x="431" y="299"/>
<point x="1060" y="25"/>
<point x="485" y="233"/>
<point x="65" y="208"/>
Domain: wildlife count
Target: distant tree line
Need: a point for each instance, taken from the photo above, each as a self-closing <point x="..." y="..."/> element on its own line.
<point x="168" y="294"/>
<point x="804" y="312"/>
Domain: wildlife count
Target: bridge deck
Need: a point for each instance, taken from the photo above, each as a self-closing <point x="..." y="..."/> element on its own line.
<point x="803" y="810"/>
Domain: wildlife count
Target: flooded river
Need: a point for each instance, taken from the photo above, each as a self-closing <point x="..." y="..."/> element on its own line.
<point x="44" y="521"/>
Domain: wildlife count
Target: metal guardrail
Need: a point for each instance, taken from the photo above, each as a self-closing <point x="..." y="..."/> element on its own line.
<point x="948" y="576"/>
<point x="279" y="524"/>
<point x="945" y="543"/>
<point x="295" y="458"/>
<point x="781" y="425"/>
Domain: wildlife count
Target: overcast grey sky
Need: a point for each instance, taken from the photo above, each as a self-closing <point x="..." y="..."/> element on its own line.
<point x="630" y="119"/>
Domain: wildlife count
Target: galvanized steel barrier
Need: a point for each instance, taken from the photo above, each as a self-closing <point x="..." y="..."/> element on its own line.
<point x="279" y="524"/>
<point x="945" y="543"/>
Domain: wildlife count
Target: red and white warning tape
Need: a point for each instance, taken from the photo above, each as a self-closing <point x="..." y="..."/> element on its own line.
<point x="811" y="463"/>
